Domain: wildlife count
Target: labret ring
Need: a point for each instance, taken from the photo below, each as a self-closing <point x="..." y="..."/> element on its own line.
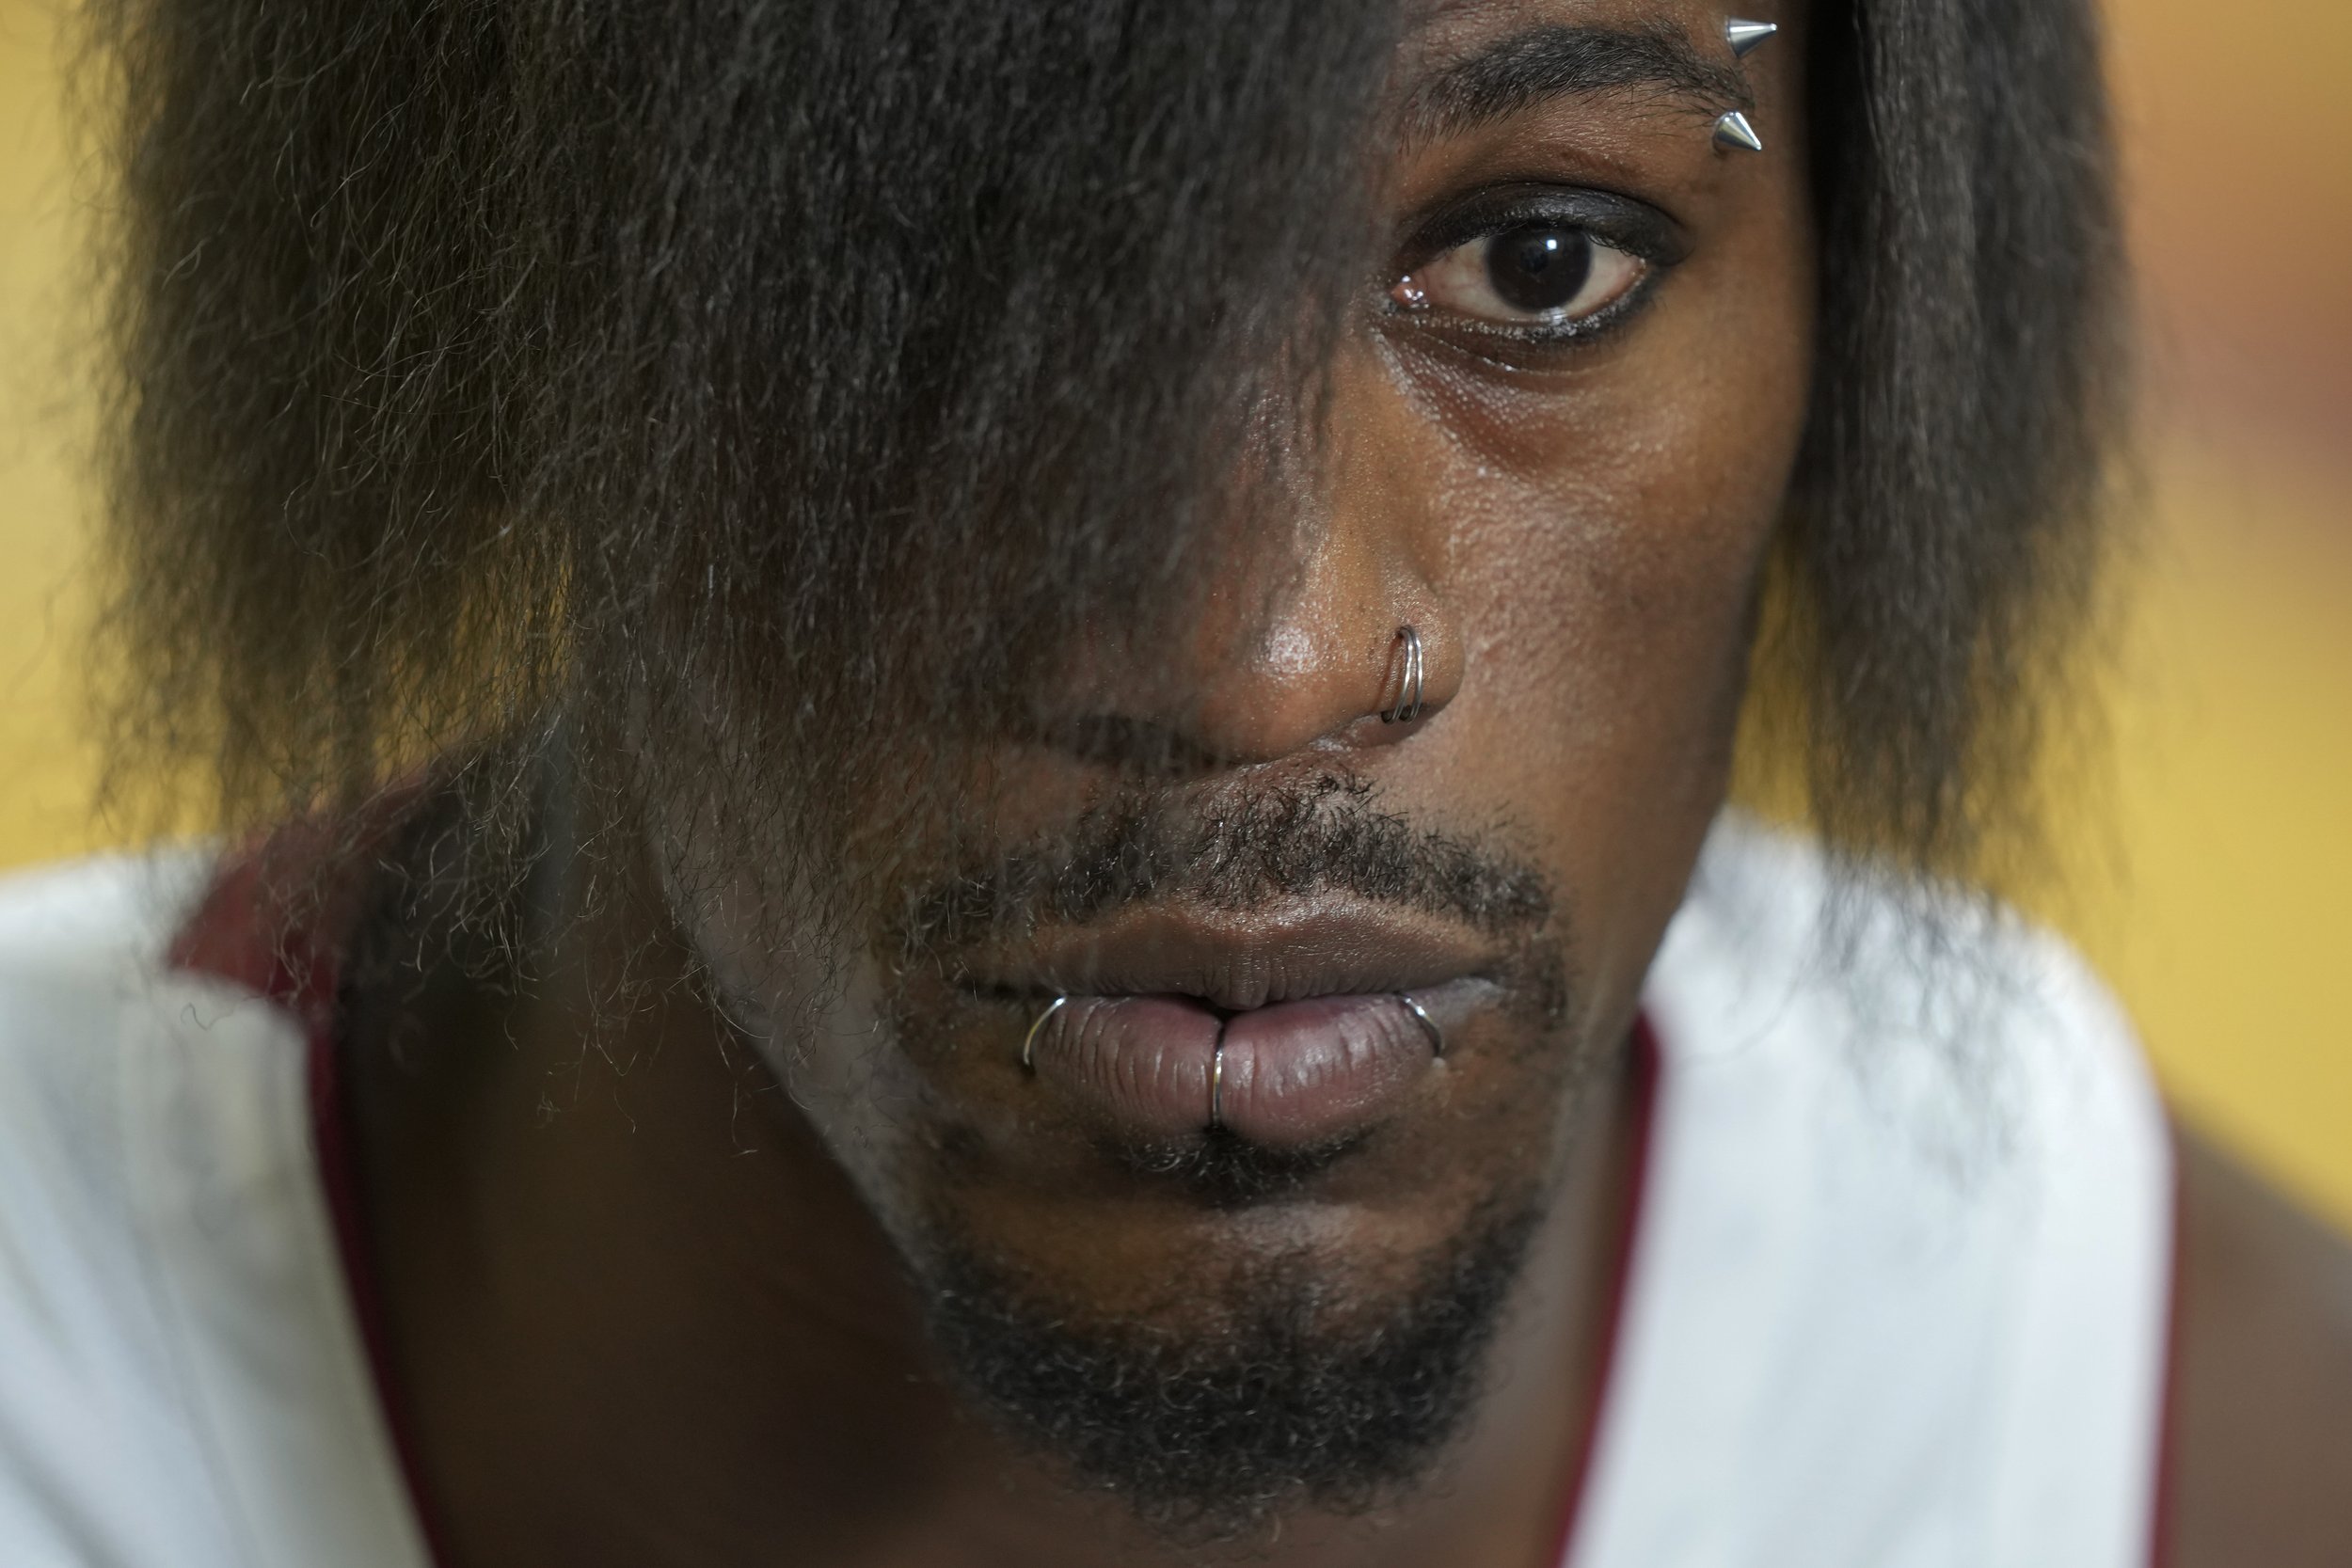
<point x="1428" y="1024"/>
<point x="1407" y="705"/>
<point x="1216" y="1057"/>
<point x="1028" y="1041"/>
<point x="1733" y="132"/>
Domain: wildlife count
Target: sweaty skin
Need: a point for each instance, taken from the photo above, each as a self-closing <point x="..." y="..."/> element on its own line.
<point x="645" y="1309"/>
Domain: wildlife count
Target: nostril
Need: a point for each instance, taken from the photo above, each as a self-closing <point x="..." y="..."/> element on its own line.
<point x="1338" y="684"/>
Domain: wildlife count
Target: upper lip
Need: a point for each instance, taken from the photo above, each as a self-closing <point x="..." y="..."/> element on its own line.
<point x="1237" y="961"/>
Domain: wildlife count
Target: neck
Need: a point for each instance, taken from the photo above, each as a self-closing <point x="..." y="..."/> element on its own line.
<point x="638" y="1315"/>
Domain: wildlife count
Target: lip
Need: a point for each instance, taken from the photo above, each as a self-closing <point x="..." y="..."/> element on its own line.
<point x="1239" y="963"/>
<point x="1292" y="1076"/>
<point x="1283" y="1029"/>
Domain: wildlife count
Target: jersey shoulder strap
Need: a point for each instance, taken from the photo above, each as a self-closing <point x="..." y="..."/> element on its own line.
<point x="181" y="1382"/>
<point x="1901" y="1289"/>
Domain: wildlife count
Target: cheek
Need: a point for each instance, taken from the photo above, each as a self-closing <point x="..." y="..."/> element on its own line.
<point x="1625" y="497"/>
<point x="1602" y="549"/>
<point x="1600" y="539"/>
<point x="1643" y="484"/>
<point x="814" y="1021"/>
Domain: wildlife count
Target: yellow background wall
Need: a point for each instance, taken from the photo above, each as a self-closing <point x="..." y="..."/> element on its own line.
<point x="2212" y="875"/>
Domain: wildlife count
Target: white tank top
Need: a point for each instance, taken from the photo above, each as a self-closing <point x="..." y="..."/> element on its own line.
<point x="1896" y="1292"/>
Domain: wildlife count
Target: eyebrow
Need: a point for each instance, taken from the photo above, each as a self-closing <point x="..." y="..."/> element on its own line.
<point x="1522" y="70"/>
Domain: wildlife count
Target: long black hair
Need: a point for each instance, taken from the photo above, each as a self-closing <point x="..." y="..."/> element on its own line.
<point x="501" y="367"/>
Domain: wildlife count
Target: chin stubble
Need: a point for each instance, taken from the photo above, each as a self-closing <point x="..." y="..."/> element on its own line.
<point x="1272" y="1382"/>
<point x="1284" y="1390"/>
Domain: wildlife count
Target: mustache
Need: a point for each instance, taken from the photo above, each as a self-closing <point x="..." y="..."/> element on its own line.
<point x="1236" y="848"/>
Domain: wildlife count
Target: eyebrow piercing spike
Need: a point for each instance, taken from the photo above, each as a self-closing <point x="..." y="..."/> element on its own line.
<point x="1735" y="134"/>
<point x="1744" y="37"/>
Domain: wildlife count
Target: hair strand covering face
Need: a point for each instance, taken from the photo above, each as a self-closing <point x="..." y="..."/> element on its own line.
<point x="806" y="375"/>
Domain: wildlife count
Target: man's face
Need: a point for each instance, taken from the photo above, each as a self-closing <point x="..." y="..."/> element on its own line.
<point x="1235" y="1166"/>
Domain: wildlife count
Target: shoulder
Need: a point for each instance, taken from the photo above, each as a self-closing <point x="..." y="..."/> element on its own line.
<point x="1777" y="944"/>
<point x="182" y="1380"/>
<point x="84" y="920"/>
<point x="1927" y="1044"/>
<point x="1910" y="1152"/>
<point x="1932" y="1051"/>
<point x="2262" y="1431"/>
<point x="80" y="944"/>
<point x="1882" y="972"/>
<point x="94" y="1390"/>
<point x="81" y="955"/>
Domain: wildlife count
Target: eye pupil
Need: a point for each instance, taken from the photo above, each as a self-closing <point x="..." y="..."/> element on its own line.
<point x="1539" y="267"/>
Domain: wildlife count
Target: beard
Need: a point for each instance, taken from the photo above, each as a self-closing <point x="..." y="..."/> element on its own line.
<point x="1263" y="1380"/>
<point x="1294" y="1392"/>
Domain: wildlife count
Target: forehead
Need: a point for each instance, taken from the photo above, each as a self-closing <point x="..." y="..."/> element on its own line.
<point x="1470" y="62"/>
<point x="1442" y="24"/>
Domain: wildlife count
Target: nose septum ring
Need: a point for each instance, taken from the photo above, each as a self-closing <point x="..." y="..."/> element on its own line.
<point x="1408" y="704"/>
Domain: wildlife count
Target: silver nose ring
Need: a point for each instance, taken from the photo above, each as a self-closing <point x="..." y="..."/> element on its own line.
<point x="1428" y="1024"/>
<point x="1028" y="1041"/>
<point x="1217" y="1083"/>
<point x="1407" y="705"/>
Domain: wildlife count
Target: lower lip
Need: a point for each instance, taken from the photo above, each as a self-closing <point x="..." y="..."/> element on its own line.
<point x="1293" y="1075"/>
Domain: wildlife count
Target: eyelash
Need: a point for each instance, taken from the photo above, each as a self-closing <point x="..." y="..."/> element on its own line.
<point x="1606" y="220"/>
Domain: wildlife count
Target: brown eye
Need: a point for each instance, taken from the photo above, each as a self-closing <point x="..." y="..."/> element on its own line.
<point x="1538" y="269"/>
<point x="1538" y="273"/>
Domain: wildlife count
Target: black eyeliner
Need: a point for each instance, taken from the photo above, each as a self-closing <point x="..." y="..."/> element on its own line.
<point x="1621" y="222"/>
<point x="1630" y="225"/>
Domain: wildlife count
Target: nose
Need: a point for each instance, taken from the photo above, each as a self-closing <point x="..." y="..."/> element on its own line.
<point x="1325" y="650"/>
<point x="1359" y="654"/>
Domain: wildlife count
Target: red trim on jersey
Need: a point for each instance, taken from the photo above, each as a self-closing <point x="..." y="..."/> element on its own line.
<point x="1646" y="1066"/>
<point x="245" y="932"/>
<point x="232" y="936"/>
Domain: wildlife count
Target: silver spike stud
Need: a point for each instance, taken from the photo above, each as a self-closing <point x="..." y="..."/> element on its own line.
<point x="1744" y="37"/>
<point x="1734" y="131"/>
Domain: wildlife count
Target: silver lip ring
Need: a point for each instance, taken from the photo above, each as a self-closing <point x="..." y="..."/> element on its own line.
<point x="1216" y="1084"/>
<point x="1028" y="1041"/>
<point x="1428" y="1024"/>
<point x="1410" y="683"/>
